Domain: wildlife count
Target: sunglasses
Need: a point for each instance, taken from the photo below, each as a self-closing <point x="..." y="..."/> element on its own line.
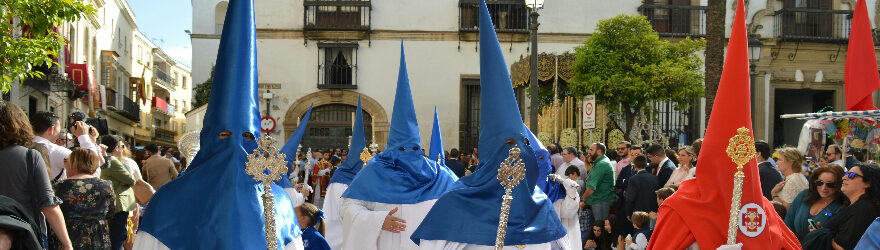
<point x="827" y="184"/>
<point x="852" y="175"/>
<point x="621" y="149"/>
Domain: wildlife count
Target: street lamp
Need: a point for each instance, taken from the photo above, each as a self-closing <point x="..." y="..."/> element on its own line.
<point x="534" y="5"/>
<point x="754" y="55"/>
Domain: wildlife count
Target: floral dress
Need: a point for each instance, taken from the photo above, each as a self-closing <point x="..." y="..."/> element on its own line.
<point x="88" y="205"/>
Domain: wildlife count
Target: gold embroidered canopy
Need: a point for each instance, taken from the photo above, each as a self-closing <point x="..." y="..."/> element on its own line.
<point x="520" y="71"/>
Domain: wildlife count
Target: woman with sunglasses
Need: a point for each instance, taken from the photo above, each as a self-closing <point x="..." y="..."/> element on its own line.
<point x="861" y="186"/>
<point x="818" y="203"/>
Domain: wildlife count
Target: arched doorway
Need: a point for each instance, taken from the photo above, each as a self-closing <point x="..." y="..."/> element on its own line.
<point x="337" y="109"/>
<point x="330" y="126"/>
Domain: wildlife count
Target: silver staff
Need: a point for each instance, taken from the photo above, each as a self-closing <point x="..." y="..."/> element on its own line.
<point x="511" y="172"/>
<point x="741" y="150"/>
<point x="266" y="164"/>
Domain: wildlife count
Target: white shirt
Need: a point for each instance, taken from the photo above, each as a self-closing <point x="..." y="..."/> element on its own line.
<point x="794" y="184"/>
<point x="132" y="168"/>
<point x="57" y="154"/>
<point x="574" y="162"/>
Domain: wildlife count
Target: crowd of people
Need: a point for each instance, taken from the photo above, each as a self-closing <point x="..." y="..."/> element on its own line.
<point x="83" y="190"/>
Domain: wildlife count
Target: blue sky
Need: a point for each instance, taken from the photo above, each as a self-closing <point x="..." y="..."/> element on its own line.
<point x="164" y="22"/>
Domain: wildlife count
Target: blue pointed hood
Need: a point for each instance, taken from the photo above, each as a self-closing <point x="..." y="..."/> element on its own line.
<point x="291" y="146"/>
<point x="436" y="150"/>
<point x="532" y="219"/>
<point x="553" y="190"/>
<point x="353" y="163"/>
<point x="404" y="126"/>
<point x="217" y="205"/>
<point x="401" y="174"/>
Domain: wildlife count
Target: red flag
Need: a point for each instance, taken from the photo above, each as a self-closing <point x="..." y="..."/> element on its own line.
<point x="700" y="209"/>
<point x="861" y="75"/>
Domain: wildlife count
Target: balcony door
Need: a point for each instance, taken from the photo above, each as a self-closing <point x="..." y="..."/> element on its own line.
<point x="807" y="19"/>
<point x="670" y="18"/>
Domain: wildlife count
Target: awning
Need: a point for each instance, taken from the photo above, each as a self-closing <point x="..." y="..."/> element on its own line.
<point x="836" y="115"/>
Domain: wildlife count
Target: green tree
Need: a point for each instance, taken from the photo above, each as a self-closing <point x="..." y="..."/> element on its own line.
<point x="30" y="40"/>
<point x="202" y="92"/>
<point x="626" y="65"/>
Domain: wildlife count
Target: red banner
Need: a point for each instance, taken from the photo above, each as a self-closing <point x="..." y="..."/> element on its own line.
<point x="160" y="103"/>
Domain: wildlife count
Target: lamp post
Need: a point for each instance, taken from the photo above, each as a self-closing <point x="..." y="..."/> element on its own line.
<point x="534" y="5"/>
<point x="754" y="55"/>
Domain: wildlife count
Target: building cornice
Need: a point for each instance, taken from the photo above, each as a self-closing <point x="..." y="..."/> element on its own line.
<point x="414" y="35"/>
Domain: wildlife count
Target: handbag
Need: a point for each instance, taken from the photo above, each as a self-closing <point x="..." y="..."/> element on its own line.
<point x="143" y="191"/>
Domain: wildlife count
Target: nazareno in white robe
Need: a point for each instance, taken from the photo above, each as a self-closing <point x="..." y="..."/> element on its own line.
<point x="362" y="224"/>
<point x="332" y="215"/>
<point x="567" y="209"/>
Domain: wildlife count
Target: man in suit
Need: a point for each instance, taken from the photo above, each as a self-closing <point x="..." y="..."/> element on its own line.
<point x="157" y="169"/>
<point x="640" y="194"/>
<point x="454" y="164"/>
<point x="661" y="166"/>
<point x="768" y="174"/>
<point x="122" y="181"/>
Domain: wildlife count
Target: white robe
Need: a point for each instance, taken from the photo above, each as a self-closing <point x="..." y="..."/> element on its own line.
<point x="332" y="215"/>
<point x="362" y="224"/>
<point x="450" y="245"/>
<point x="145" y="241"/>
<point x="567" y="209"/>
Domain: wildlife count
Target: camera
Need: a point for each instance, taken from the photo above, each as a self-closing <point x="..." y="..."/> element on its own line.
<point x="99" y="124"/>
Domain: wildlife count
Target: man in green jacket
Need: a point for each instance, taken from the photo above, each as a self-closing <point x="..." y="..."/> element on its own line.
<point x="122" y="181"/>
<point x="599" y="193"/>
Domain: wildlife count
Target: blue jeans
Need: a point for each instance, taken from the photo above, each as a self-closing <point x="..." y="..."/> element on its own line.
<point x="118" y="230"/>
<point x="600" y="210"/>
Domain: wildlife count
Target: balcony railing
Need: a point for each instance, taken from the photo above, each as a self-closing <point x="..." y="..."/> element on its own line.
<point x="814" y="25"/>
<point x="125" y="107"/>
<point x="676" y="20"/>
<point x="163" y="134"/>
<point x="508" y="16"/>
<point x="337" y="15"/>
<point x="164" y="80"/>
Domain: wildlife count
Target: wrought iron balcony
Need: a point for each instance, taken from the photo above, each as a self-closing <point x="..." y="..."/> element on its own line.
<point x="508" y="16"/>
<point x="124" y="106"/>
<point x="813" y="25"/>
<point x="163" y="79"/>
<point x="676" y="20"/>
<point x="337" y="15"/>
<point x="163" y="134"/>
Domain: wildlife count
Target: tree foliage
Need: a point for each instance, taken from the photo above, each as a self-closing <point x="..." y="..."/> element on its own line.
<point x="30" y="40"/>
<point x="626" y="65"/>
<point x="202" y="92"/>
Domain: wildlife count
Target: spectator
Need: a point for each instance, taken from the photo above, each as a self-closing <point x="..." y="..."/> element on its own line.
<point x="663" y="194"/>
<point x="574" y="174"/>
<point x="697" y="144"/>
<point x="640" y="194"/>
<point x="620" y="188"/>
<point x="614" y="232"/>
<point x="780" y="209"/>
<point x="122" y="181"/>
<point x="473" y="163"/>
<point x="685" y="168"/>
<point x="597" y="238"/>
<point x="454" y="164"/>
<point x="158" y="170"/>
<point x="556" y="158"/>
<point x="599" y="193"/>
<point x="570" y="157"/>
<point x="660" y="166"/>
<point x="47" y="128"/>
<point x="24" y="179"/>
<point x="311" y="221"/>
<point x="139" y="156"/>
<point x="18" y="230"/>
<point x="130" y="164"/>
<point x="844" y="229"/>
<point x="640" y="221"/>
<point x="88" y="202"/>
<point x="672" y="156"/>
<point x="623" y="152"/>
<point x="767" y="172"/>
<point x="818" y="203"/>
<point x="790" y="163"/>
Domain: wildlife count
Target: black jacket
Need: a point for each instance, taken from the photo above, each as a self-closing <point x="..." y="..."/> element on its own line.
<point x="664" y="173"/>
<point x="456" y="166"/>
<point x="769" y="178"/>
<point x="640" y="194"/>
<point x="22" y="227"/>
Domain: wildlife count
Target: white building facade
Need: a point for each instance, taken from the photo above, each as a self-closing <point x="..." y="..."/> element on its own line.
<point x="330" y="52"/>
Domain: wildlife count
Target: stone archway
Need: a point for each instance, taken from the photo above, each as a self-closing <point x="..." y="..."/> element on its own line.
<point x="370" y="105"/>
